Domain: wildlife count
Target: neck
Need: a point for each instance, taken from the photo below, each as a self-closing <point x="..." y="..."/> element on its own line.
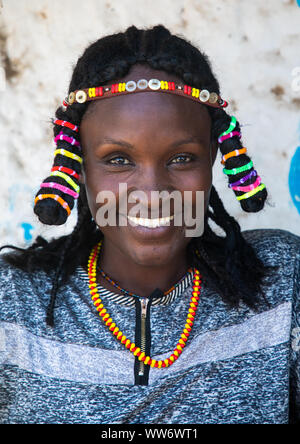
<point x="136" y="278"/>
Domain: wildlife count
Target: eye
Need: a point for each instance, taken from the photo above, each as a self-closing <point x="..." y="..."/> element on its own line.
<point x="118" y="160"/>
<point x="182" y="158"/>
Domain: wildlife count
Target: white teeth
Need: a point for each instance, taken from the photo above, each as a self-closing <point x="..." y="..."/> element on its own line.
<point x="150" y="223"/>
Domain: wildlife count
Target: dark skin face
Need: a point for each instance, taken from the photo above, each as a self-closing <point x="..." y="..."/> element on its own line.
<point x="150" y="141"/>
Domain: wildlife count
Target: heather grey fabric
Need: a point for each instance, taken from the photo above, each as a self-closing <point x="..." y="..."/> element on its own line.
<point x="240" y="365"/>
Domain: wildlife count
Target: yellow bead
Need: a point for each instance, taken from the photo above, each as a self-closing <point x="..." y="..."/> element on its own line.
<point x="183" y="336"/>
<point x="136" y="351"/>
<point x="147" y="359"/>
<point x="105" y="317"/>
<point x="172" y="358"/>
<point x="166" y="361"/>
<point x="153" y="362"/>
<point x="176" y="353"/>
<point x="181" y="341"/>
<point x="119" y="335"/>
<point x="132" y="346"/>
<point x="141" y="356"/>
<point x="108" y="321"/>
<point x="116" y="329"/>
<point x="127" y="343"/>
<point x="179" y="348"/>
<point x="160" y="364"/>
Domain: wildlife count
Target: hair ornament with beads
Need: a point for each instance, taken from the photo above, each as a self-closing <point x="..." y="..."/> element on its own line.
<point x="251" y="188"/>
<point x="64" y="176"/>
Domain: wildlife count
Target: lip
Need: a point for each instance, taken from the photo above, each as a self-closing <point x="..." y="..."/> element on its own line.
<point x="157" y="222"/>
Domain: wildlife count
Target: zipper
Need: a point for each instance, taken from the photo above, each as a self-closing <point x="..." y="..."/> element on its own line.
<point x="144" y="304"/>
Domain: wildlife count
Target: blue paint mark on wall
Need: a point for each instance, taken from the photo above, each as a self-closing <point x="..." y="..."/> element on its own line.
<point x="27" y="228"/>
<point x="298" y="2"/>
<point x="294" y="178"/>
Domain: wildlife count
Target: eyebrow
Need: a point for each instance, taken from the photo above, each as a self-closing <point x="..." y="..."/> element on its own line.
<point x="122" y="143"/>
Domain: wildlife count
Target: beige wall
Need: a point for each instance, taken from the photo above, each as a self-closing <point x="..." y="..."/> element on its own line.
<point x="254" y="49"/>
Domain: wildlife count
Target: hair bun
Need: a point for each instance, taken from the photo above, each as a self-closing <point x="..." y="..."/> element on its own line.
<point x="50" y="212"/>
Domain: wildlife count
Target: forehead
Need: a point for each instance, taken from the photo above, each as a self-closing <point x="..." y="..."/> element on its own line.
<point x="147" y="109"/>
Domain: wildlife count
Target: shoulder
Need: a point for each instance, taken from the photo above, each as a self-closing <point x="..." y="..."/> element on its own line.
<point x="279" y="250"/>
<point x="21" y="290"/>
<point x="274" y="246"/>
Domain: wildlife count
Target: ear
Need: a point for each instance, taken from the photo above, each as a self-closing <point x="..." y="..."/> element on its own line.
<point x="213" y="151"/>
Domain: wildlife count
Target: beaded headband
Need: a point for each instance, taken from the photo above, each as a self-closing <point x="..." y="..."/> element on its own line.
<point x="88" y="94"/>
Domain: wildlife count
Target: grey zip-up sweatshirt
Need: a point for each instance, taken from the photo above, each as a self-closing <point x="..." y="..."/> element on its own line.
<point x="239" y="365"/>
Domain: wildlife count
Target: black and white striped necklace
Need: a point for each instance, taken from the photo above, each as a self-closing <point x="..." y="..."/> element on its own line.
<point x="128" y="299"/>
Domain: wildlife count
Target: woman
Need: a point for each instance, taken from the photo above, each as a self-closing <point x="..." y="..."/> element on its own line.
<point x="146" y="324"/>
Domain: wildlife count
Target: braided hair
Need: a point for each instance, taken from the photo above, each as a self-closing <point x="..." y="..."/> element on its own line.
<point x="228" y="263"/>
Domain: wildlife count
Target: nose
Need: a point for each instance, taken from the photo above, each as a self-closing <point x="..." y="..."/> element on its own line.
<point x="151" y="189"/>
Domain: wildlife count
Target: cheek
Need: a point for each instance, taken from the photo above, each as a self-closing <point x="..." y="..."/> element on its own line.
<point x="98" y="187"/>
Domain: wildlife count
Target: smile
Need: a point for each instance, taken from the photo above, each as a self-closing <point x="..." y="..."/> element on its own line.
<point x="150" y="223"/>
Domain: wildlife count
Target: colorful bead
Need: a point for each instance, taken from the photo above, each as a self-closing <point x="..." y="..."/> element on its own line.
<point x="130" y="86"/>
<point x="243" y="179"/>
<point x="233" y="154"/>
<point x="66" y="124"/>
<point x="204" y="95"/>
<point x="71" y="140"/>
<point x="60" y="187"/>
<point x="142" y="84"/>
<point x="251" y="193"/>
<point x="81" y="96"/>
<point x="154" y="84"/>
<point x="66" y="170"/>
<point x="250" y="187"/>
<point x="68" y="154"/>
<point x="235" y="171"/>
<point x="62" y="202"/>
<point x="92" y="266"/>
<point x="221" y="139"/>
<point x="67" y="179"/>
<point x="231" y="127"/>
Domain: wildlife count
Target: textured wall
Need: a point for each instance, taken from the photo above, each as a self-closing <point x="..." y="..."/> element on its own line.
<point x="254" y="49"/>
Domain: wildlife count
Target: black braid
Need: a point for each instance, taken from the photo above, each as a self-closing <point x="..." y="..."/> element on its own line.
<point x="229" y="262"/>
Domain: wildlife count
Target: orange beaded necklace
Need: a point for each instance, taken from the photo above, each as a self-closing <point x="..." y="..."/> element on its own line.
<point x="105" y="316"/>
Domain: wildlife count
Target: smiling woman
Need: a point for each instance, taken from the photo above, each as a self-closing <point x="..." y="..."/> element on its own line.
<point x="145" y="324"/>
